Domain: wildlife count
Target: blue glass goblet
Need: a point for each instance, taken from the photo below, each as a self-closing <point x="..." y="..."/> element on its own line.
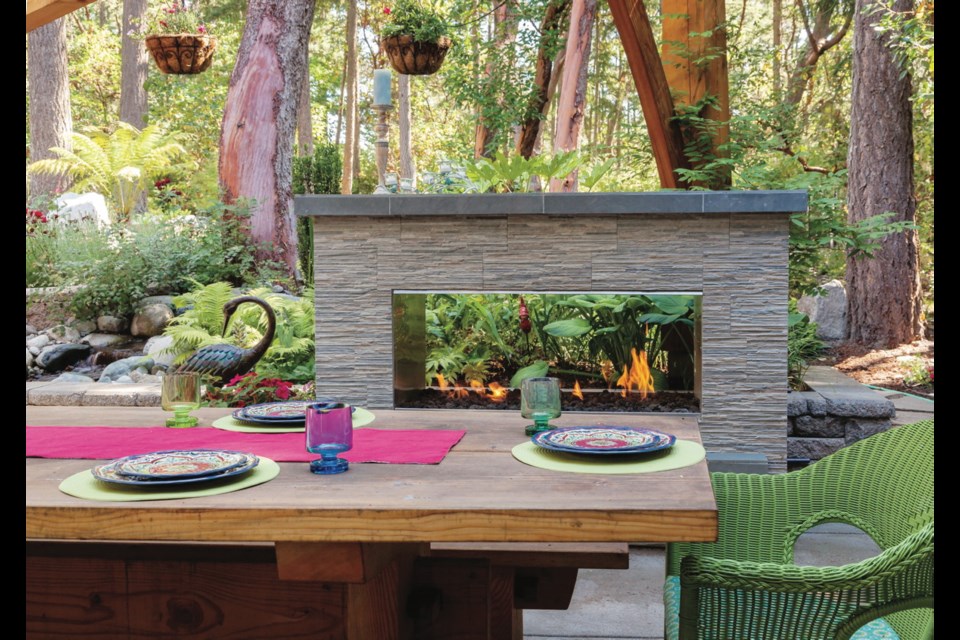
<point x="329" y="429"/>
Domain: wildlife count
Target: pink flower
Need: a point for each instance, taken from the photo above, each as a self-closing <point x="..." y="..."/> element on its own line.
<point x="283" y="392"/>
<point x="386" y="11"/>
<point x="201" y="29"/>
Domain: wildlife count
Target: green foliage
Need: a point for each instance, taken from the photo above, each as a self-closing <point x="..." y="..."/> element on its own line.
<point x="917" y="373"/>
<point x="425" y="20"/>
<point x="254" y="388"/>
<point x="120" y="165"/>
<point x="319" y="173"/>
<point x="120" y="265"/>
<point x="589" y="335"/>
<point x="174" y="17"/>
<point x="803" y="345"/>
<point x="290" y="355"/>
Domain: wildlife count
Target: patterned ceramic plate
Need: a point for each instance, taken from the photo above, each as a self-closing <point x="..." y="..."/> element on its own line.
<point x="288" y="412"/>
<point x="162" y="465"/>
<point x="108" y="473"/>
<point x="604" y="440"/>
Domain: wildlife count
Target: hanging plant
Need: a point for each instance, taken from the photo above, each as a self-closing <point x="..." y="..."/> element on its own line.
<point x="416" y="37"/>
<point x="178" y="40"/>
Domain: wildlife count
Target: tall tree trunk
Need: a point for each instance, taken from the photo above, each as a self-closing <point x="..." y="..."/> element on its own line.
<point x="573" y="94"/>
<point x="133" y="66"/>
<point x="304" y="114"/>
<point x="260" y="119"/>
<point x="350" y="112"/>
<point x="549" y="26"/>
<point x="777" y="24"/>
<point x="49" y="85"/>
<point x="407" y="167"/>
<point x="883" y="292"/>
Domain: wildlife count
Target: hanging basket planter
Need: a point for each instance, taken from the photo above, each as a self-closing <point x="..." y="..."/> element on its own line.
<point x="181" y="53"/>
<point x="415" y="58"/>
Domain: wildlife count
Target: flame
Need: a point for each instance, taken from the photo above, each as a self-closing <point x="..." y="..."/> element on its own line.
<point x="638" y="376"/>
<point x="477" y="387"/>
<point x="576" y="390"/>
<point x="460" y="392"/>
<point x="497" y="393"/>
<point x="442" y="382"/>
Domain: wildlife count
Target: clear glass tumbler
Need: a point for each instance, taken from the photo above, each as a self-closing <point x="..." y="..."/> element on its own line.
<point x="540" y="401"/>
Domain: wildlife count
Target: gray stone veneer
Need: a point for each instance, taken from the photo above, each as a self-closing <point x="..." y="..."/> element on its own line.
<point x="730" y="246"/>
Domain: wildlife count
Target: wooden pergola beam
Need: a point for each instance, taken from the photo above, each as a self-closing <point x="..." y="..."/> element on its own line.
<point x="41" y="12"/>
<point x="640" y="46"/>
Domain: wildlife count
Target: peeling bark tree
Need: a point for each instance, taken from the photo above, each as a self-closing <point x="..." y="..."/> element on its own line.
<point x="573" y="94"/>
<point x="133" y="66"/>
<point x="549" y="26"/>
<point x="259" y="123"/>
<point x="304" y="115"/>
<point x="505" y="34"/>
<point x="49" y="86"/>
<point x="883" y="292"/>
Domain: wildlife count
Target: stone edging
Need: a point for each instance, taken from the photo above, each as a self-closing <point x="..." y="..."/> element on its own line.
<point x="65" y="394"/>
<point x="837" y="411"/>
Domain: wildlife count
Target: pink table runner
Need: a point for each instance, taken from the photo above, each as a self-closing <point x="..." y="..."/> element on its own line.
<point x="392" y="446"/>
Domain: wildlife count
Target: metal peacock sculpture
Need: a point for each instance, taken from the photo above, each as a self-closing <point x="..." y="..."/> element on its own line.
<point x="225" y="361"/>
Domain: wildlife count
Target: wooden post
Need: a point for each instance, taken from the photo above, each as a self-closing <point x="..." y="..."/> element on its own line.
<point x="689" y="79"/>
<point x="633" y="25"/>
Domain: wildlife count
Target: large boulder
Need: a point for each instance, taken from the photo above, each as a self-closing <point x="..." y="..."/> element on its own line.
<point x="156" y="347"/>
<point x="167" y="300"/>
<point x="36" y="344"/>
<point x="58" y="357"/>
<point x="112" y="324"/>
<point x="80" y="207"/>
<point x="31" y="330"/>
<point x="122" y="368"/>
<point x="63" y="333"/>
<point x="73" y="377"/>
<point x="828" y="310"/>
<point x="151" y="320"/>
<point x="85" y="327"/>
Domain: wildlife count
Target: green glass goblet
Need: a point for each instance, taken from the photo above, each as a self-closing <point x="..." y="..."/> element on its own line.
<point x="180" y="393"/>
<point x="539" y="401"/>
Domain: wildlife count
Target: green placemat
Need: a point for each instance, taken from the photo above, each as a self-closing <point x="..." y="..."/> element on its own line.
<point x="682" y="454"/>
<point x="85" y="485"/>
<point x="361" y="418"/>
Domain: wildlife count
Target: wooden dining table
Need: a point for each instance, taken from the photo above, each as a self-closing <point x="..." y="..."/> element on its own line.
<point x="451" y="550"/>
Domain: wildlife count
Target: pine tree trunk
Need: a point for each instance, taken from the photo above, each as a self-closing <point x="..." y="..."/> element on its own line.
<point x="350" y="112"/>
<point x="883" y="292"/>
<point x="133" y="66"/>
<point x="304" y="114"/>
<point x="407" y="167"/>
<point x="259" y="123"/>
<point x="50" y="117"/>
<point x="573" y="94"/>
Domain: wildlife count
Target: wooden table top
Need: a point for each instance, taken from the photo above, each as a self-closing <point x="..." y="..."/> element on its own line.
<point x="480" y="492"/>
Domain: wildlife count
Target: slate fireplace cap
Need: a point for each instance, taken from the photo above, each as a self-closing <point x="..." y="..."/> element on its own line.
<point x="499" y="204"/>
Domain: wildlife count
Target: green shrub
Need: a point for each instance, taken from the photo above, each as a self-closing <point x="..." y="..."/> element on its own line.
<point x="802" y="346"/>
<point x="319" y="173"/>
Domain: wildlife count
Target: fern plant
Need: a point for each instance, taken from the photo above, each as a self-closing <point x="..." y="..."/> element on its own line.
<point x="120" y="165"/>
<point x="291" y="354"/>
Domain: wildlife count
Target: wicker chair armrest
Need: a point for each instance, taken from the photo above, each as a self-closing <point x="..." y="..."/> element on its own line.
<point x="789" y="578"/>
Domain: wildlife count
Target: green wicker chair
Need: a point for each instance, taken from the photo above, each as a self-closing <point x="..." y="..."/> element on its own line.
<point x="746" y="586"/>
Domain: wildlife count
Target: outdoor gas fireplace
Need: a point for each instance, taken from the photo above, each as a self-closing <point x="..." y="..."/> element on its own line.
<point x="611" y="351"/>
<point x="383" y="264"/>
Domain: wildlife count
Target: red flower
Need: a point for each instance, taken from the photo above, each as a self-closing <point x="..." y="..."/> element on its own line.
<point x="201" y="29"/>
<point x="525" y="325"/>
<point x="163" y="24"/>
<point x="283" y="392"/>
<point x="386" y="11"/>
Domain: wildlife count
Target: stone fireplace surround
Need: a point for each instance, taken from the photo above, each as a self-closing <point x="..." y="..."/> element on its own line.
<point x="731" y="246"/>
